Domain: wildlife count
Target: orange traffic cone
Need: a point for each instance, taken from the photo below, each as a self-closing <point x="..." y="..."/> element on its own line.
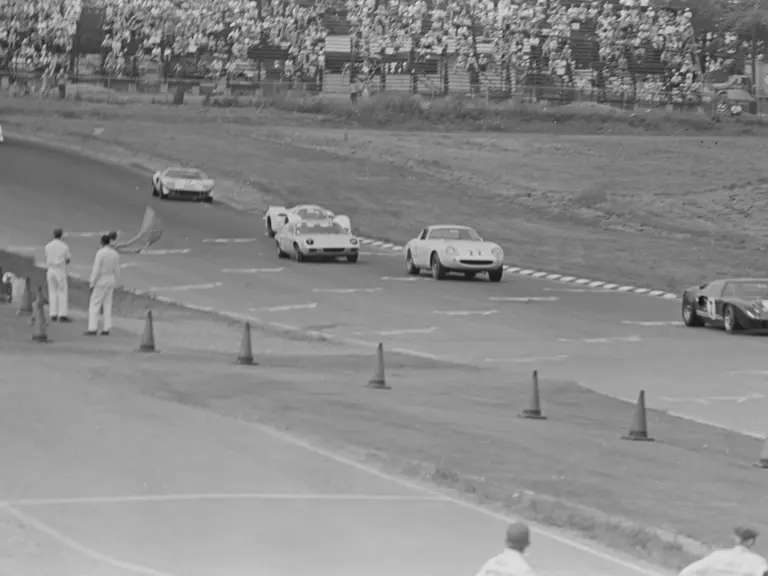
<point x="638" y="429"/>
<point x="39" y="334"/>
<point x="763" y="462"/>
<point x="246" y="351"/>
<point x="26" y="300"/>
<point x="534" y="406"/>
<point x="378" y="381"/>
<point x="148" y="337"/>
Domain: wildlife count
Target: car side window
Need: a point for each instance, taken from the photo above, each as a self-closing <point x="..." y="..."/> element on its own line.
<point x="730" y="291"/>
<point x="424" y="234"/>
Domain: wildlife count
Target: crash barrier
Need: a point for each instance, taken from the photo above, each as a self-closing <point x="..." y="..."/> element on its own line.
<point x="638" y="426"/>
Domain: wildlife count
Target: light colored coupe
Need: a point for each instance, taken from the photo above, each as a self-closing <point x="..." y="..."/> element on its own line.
<point x="447" y="248"/>
<point x="278" y="216"/>
<point x="188" y="183"/>
<point x="316" y="240"/>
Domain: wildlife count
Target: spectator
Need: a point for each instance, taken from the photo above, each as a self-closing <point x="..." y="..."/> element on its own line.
<point x="57" y="257"/>
<point x="511" y="561"/>
<point x="736" y="561"/>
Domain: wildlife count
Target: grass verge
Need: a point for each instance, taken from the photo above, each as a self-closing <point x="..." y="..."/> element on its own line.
<point x="651" y="211"/>
<point x="433" y="427"/>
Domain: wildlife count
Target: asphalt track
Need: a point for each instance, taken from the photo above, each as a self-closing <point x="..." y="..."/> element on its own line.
<point x="613" y="342"/>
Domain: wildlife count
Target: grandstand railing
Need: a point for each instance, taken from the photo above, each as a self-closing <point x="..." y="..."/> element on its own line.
<point x="488" y="86"/>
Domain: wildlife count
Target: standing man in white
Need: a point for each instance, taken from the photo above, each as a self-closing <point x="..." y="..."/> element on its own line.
<point x="511" y="562"/>
<point x="104" y="276"/>
<point x="57" y="256"/>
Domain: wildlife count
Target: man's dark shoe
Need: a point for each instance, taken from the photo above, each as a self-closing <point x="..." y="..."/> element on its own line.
<point x="105" y="332"/>
<point x="64" y="319"/>
<point x="89" y="333"/>
<point x="54" y="318"/>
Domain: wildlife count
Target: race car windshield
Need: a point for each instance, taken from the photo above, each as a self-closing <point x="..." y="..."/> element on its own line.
<point x="453" y="234"/>
<point x="332" y="228"/>
<point x="749" y="290"/>
<point x="185" y="174"/>
<point x="312" y="214"/>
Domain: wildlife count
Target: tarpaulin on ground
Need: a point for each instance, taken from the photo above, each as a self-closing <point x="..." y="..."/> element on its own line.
<point x="151" y="231"/>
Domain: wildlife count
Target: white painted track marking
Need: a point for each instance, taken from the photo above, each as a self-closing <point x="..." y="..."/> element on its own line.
<point x="558" y="358"/>
<point x="410" y="352"/>
<point x="429" y="330"/>
<point x="378" y="254"/>
<point x="398" y="279"/>
<point x="285" y="308"/>
<point x="763" y="373"/>
<point x="345" y="290"/>
<point x="24" y="248"/>
<point x="466" y="312"/>
<point x="29" y="520"/>
<point x="140" y="498"/>
<point x="250" y="270"/>
<point x="229" y="240"/>
<point x="707" y="399"/>
<point x="653" y="322"/>
<point x="183" y="288"/>
<point x="575" y="290"/>
<point x="164" y="252"/>
<point x="523" y="298"/>
<point x="606" y="340"/>
<point x="503" y="518"/>
<point x="84" y="234"/>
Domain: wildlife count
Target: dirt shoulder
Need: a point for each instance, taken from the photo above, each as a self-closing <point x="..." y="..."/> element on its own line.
<point x="656" y="211"/>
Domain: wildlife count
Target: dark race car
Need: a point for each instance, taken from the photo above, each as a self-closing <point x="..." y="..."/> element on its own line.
<point x="736" y="304"/>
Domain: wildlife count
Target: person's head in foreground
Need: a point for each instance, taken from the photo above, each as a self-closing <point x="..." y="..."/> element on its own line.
<point x="113" y="236"/>
<point x="746" y="536"/>
<point x="105" y="239"/>
<point x="518" y="537"/>
<point x="58" y="233"/>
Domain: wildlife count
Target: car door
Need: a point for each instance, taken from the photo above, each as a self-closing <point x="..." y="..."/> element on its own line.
<point x="417" y="248"/>
<point x="711" y="303"/>
<point x="284" y="237"/>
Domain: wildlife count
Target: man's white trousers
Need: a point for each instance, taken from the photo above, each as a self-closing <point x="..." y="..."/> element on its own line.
<point x="101" y="296"/>
<point x="58" y="291"/>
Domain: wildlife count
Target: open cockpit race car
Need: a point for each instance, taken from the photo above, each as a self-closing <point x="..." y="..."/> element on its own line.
<point x="735" y="304"/>
<point x="278" y="216"/>
<point x="326" y="240"/>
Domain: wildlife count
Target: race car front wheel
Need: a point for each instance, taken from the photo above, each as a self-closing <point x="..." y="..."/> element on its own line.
<point x="270" y="232"/>
<point x="690" y="318"/>
<point x="495" y="275"/>
<point x="280" y="253"/>
<point x="438" y="271"/>
<point x="730" y="322"/>
<point x="299" y="253"/>
<point x="410" y="267"/>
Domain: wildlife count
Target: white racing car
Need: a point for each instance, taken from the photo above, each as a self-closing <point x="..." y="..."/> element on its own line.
<point x="188" y="183"/>
<point x="278" y="216"/>
<point x="447" y="248"/>
<point x="306" y="240"/>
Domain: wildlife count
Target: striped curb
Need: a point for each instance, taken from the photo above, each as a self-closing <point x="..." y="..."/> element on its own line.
<point x="586" y="282"/>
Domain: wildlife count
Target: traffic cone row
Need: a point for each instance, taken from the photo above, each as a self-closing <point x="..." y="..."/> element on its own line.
<point x="638" y="428"/>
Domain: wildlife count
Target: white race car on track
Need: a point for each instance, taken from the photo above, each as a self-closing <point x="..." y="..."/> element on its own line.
<point x="278" y="216"/>
<point x="187" y="183"/>
<point x="305" y="240"/>
<point x="448" y="248"/>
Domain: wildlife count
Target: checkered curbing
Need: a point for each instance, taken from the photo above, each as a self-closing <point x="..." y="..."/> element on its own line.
<point x="587" y="283"/>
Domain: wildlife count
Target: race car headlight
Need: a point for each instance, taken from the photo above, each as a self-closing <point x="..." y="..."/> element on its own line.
<point x="753" y="311"/>
<point x="353" y="241"/>
<point x="498" y="252"/>
<point x="309" y="241"/>
<point x="450" y="251"/>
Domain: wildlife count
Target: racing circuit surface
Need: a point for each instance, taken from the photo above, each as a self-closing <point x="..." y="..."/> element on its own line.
<point x="216" y="257"/>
